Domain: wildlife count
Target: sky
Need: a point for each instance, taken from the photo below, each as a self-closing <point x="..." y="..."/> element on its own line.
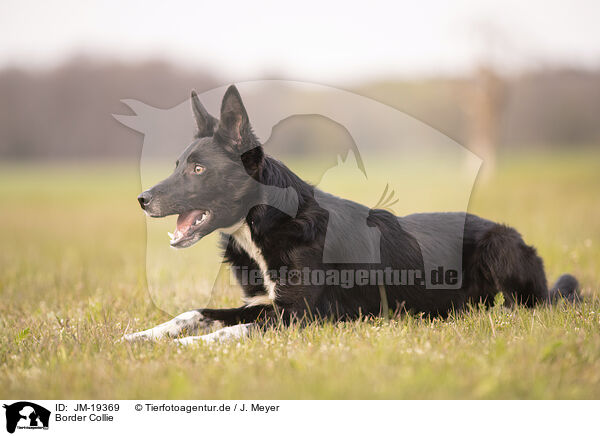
<point x="307" y="40"/>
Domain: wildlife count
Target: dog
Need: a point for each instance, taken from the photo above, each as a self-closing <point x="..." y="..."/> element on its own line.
<point x="271" y="220"/>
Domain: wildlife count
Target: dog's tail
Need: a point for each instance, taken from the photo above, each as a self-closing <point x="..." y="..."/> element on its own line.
<point x="567" y="288"/>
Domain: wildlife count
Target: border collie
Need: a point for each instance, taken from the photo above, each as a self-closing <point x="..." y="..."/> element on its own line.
<point x="271" y="220"/>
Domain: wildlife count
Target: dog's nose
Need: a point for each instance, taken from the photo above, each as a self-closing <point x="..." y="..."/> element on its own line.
<point x="145" y="198"/>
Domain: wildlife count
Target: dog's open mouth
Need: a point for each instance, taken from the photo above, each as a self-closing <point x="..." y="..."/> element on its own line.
<point x="188" y="223"/>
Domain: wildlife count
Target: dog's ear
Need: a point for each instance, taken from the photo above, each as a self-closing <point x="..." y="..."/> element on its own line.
<point x="235" y="131"/>
<point x="234" y="125"/>
<point x="205" y="122"/>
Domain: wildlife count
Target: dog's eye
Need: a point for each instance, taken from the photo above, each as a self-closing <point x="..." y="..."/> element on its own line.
<point x="198" y="169"/>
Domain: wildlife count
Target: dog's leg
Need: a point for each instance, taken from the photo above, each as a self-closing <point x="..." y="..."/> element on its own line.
<point x="503" y="259"/>
<point x="189" y="322"/>
<point x="240" y="315"/>
<point x="226" y="334"/>
<point x="195" y="321"/>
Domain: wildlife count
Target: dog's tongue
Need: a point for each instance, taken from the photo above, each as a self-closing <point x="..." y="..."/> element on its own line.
<point x="186" y="219"/>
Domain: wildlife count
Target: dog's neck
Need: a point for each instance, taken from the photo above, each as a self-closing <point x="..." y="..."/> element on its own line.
<point x="242" y="237"/>
<point x="284" y="196"/>
<point x="248" y="234"/>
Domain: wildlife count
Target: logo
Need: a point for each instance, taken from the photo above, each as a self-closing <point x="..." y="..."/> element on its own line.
<point x="26" y="415"/>
<point x="360" y="148"/>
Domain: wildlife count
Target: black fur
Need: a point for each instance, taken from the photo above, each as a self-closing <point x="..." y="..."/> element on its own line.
<point x="494" y="257"/>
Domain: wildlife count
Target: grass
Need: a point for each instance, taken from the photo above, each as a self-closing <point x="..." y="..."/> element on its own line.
<point x="72" y="279"/>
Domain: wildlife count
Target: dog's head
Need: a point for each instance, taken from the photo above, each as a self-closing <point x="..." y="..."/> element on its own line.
<point x="212" y="186"/>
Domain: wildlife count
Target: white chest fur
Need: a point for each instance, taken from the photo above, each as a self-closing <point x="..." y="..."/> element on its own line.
<point x="243" y="238"/>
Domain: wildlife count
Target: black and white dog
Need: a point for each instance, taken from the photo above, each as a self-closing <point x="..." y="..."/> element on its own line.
<point x="224" y="181"/>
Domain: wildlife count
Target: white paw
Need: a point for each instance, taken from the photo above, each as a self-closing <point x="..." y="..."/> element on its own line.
<point x="137" y="336"/>
<point x="190" y="340"/>
<point x="226" y="334"/>
<point x="187" y="321"/>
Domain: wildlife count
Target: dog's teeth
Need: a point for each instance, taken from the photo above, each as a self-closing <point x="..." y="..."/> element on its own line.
<point x="176" y="236"/>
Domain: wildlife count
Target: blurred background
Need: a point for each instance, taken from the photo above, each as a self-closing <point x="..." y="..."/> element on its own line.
<point x="490" y="75"/>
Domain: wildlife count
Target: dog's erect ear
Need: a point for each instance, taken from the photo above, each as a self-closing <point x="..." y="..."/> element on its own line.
<point x="205" y="122"/>
<point x="234" y="125"/>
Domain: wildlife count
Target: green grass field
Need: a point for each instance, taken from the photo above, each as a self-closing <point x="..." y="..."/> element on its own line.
<point x="72" y="280"/>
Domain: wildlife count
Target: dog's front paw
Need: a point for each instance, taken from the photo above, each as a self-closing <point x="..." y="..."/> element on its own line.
<point x="189" y="340"/>
<point x="137" y="336"/>
<point x="190" y="321"/>
<point x="225" y="334"/>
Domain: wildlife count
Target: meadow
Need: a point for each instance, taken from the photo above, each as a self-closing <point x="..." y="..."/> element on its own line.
<point x="73" y="280"/>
